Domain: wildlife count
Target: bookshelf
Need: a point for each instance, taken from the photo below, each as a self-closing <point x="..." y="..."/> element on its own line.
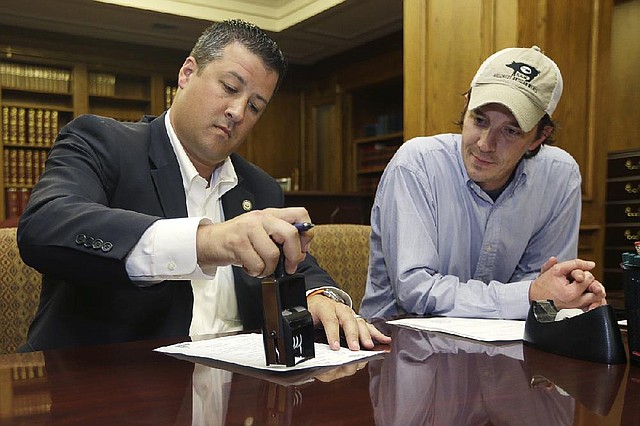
<point x="38" y="98"/>
<point x="35" y="102"/>
<point x="120" y="96"/>
<point x="373" y="155"/>
<point x="376" y="130"/>
<point x="169" y="93"/>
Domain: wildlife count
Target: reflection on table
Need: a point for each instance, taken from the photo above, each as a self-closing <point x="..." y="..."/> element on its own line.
<point x="426" y="379"/>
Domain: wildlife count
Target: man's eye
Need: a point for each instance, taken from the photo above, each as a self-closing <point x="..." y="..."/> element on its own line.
<point x="512" y="132"/>
<point x="480" y="120"/>
<point x="229" y="89"/>
<point x="253" y="107"/>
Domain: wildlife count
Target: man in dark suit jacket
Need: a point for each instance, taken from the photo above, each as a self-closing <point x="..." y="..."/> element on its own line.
<point x="109" y="188"/>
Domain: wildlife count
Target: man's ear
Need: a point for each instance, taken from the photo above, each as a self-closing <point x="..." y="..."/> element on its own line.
<point x="547" y="131"/>
<point x="544" y="134"/>
<point x="189" y="68"/>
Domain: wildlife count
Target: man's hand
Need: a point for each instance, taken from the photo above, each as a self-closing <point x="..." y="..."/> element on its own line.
<point x="334" y="315"/>
<point x="341" y="371"/>
<point x="569" y="284"/>
<point x="249" y="240"/>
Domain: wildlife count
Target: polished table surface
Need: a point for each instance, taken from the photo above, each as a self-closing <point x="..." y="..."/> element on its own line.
<point x="426" y="378"/>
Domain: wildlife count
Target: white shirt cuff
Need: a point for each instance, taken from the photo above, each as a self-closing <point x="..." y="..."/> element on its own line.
<point x="167" y="251"/>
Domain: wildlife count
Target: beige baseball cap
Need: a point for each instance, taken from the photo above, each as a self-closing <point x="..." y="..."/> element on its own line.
<point x="522" y="79"/>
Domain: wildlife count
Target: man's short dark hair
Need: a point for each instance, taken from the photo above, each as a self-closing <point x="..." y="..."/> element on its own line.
<point x="219" y="35"/>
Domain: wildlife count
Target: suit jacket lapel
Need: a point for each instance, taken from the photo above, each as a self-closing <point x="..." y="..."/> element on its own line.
<point x="237" y="200"/>
<point x="165" y="171"/>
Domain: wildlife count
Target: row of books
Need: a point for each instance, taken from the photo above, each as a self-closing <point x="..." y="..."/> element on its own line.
<point x="16" y="200"/>
<point x="32" y="77"/>
<point x="102" y="84"/>
<point x="386" y="123"/>
<point x="29" y="126"/>
<point x="23" y="166"/>
<point x="169" y="94"/>
<point x="375" y="156"/>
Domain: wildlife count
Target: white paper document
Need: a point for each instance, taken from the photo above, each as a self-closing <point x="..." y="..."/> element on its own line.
<point x="488" y="330"/>
<point x="248" y="350"/>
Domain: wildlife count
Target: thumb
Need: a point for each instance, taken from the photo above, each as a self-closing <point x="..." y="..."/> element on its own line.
<point x="548" y="264"/>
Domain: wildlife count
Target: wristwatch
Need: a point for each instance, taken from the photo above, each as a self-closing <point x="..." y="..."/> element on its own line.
<point x="327" y="292"/>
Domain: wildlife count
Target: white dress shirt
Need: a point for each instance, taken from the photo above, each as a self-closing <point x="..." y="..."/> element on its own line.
<point x="167" y="250"/>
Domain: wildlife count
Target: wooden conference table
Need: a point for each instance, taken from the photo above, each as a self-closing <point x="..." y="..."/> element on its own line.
<point x="426" y="379"/>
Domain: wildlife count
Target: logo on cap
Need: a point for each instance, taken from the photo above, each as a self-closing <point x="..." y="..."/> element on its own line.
<point x="523" y="70"/>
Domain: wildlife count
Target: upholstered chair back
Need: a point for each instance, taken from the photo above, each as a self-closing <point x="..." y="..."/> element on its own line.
<point x="343" y="251"/>
<point x="19" y="293"/>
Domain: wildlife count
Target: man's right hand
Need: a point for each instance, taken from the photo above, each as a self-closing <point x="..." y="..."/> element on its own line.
<point x="249" y="240"/>
<point x="569" y="284"/>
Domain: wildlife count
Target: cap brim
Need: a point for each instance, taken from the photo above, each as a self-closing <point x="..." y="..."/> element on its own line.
<point x="525" y="112"/>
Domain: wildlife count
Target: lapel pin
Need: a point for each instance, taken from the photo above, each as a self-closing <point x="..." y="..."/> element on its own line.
<point x="247" y="205"/>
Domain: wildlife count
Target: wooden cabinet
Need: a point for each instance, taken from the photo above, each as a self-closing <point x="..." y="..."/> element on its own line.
<point x="622" y="213"/>
<point x="373" y="153"/>
<point x="376" y="130"/>
<point x="353" y="118"/>
<point x="351" y="136"/>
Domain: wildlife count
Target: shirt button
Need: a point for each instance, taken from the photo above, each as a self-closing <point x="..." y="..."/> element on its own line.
<point x="171" y="266"/>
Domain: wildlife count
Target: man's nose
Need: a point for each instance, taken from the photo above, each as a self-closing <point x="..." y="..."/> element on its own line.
<point x="487" y="141"/>
<point x="235" y="110"/>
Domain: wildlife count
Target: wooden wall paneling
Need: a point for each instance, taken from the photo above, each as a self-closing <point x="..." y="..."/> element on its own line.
<point x="440" y="59"/>
<point x="505" y="31"/>
<point x="568" y="42"/>
<point x="322" y="163"/>
<point x="625" y="85"/>
<point x="349" y="152"/>
<point x="415" y="68"/>
<point x="531" y="23"/>
<point x="274" y="143"/>
<point x="578" y="38"/>
<point x="370" y="71"/>
<point x="599" y="128"/>
<point x="452" y="60"/>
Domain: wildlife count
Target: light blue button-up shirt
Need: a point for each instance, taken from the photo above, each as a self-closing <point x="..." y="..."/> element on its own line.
<point x="440" y="245"/>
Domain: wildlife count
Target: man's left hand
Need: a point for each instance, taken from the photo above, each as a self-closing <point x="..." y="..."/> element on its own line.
<point x="335" y="316"/>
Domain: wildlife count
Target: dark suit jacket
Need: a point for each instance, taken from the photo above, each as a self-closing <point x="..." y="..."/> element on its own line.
<point x="104" y="184"/>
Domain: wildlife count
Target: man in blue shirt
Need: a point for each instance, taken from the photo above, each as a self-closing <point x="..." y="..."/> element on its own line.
<point x="479" y="224"/>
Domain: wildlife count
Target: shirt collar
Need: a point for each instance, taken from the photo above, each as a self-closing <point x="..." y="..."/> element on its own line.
<point x="519" y="176"/>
